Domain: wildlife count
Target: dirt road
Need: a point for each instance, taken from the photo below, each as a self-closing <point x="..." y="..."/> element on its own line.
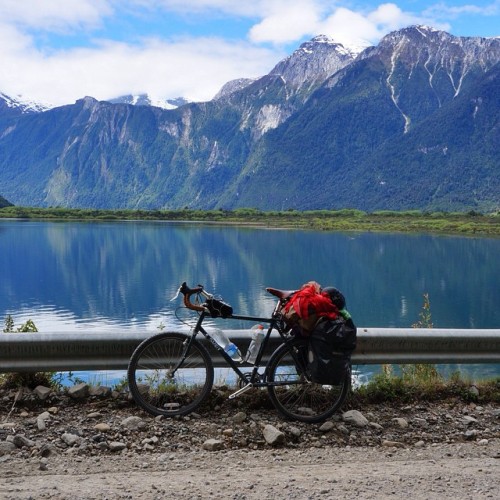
<point x="458" y="471"/>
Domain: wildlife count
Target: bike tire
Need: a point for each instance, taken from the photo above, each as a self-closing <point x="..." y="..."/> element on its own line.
<point x="302" y="400"/>
<point x="152" y="384"/>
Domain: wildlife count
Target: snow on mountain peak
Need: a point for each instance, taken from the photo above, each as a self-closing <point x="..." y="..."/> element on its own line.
<point x="148" y="100"/>
<point x="351" y="47"/>
<point x="25" y="104"/>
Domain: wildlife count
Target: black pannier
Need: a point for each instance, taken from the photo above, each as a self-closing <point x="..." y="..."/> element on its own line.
<point x="329" y="353"/>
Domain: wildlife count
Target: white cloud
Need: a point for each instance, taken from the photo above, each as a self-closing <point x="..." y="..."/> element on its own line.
<point x="390" y="16"/>
<point x="193" y="68"/>
<point x="441" y="10"/>
<point x="286" y="22"/>
<point x="348" y="27"/>
<point x="54" y="14"/>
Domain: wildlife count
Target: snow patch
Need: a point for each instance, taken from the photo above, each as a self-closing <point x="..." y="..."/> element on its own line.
<point x="25" y="104"/>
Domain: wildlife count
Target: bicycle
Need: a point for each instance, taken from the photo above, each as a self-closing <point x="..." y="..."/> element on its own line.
<point x="172" y="373"/>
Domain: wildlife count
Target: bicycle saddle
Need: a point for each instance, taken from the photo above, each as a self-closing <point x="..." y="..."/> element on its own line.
<point x="281" y="294"/>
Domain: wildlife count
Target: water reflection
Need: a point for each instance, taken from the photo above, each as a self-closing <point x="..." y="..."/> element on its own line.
<point x="68" y="276"/>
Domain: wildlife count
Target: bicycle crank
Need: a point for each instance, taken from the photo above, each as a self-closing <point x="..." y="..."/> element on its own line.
<point x="245" y="388"/>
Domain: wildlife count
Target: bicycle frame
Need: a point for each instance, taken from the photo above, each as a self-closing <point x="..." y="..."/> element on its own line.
<point x="254" y="380"/>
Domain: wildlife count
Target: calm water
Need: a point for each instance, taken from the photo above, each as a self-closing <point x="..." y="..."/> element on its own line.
<point x="116" y="276"/>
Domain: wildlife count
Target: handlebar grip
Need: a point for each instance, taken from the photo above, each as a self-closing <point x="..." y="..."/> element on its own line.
<point x="187" y="292"/>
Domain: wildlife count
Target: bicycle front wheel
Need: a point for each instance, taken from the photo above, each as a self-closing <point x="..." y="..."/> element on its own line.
<point x="170" y="374"/>
<point x="292" y="392"/>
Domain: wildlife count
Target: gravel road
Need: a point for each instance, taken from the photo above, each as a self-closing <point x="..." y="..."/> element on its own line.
<point x="459" y="471"/>
<point x="99" y="445"/>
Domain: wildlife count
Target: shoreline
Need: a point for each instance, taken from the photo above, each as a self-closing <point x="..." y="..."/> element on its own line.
<point x="408" y="222"/>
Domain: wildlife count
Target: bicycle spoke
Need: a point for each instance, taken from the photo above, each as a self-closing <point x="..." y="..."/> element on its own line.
<point x="164" y="380"/>
<point x="301" y="399"/>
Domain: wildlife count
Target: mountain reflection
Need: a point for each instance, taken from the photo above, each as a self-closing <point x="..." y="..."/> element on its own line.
<point x="123" y="274"/>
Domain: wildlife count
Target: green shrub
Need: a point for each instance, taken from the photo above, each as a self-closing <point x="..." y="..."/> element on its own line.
<point x="28" y="379"/>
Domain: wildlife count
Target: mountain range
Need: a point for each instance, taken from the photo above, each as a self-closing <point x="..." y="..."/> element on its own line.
<point x="411" y="123"/>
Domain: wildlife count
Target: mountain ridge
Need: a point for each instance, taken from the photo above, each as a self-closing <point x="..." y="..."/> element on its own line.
<point x="324" y="129"/>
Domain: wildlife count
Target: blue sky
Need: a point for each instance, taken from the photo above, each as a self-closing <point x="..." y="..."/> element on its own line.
<point x="56" y="51"/>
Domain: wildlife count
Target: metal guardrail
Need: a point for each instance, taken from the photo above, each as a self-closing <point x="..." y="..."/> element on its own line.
<point x="83" y="350"/>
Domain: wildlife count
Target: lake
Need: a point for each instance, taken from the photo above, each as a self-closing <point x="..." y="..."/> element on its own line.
<point x="70" y="276"/>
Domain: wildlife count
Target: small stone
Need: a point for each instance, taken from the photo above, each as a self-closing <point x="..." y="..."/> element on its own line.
<point x="273" y="436"/>
<point x="240" y="417"/>
<point x="79" y="391"/>
<point x="213" y="445"/>
<point x="355" y="417"/>
<point x="133" y="423"/>
<point x="6" y="448"/>
<point x="100" y="391"/>
<point x="421" y="422"/>
<point x="327" y="426"/>
<point x="295" y="432"/>
<point x="419" y="444"/>
<point x="343" y="429"/>
<point x="471" y="434"/>
<point x="44" y="416"/>
<point x="482" y="442"/>
<point x="21" y="441"/>
<point x="116" y="446"/>
<point x="227" y="432"/>
<point x="468" y="420"/>
<point x="43" y="464"/>
<point x="401" y="422"/>
<point x="41" y="419"/>
<point x="376" y="426"/>
<point x="71" y="439"/>
<point x="102" y="427"/>
<point x="42" y="392"/>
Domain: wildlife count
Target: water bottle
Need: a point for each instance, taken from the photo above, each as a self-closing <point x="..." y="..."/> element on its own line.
<point x="231" y="349"/>
<point x="257" y="338"/>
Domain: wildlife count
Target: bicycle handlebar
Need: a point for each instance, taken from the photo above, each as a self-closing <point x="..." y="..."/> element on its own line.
<point x="187" y="292"/>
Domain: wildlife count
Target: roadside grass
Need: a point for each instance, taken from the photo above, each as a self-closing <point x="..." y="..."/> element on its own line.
<point x="382" y="389"/>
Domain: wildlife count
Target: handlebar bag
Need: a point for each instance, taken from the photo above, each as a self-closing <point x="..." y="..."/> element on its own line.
<point x="218" y="309"/>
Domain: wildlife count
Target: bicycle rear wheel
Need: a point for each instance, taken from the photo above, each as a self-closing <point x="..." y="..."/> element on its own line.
<point x="293" y="395"/>
<point x="167" y="378"/>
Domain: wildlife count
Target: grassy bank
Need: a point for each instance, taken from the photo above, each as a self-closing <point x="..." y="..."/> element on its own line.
<point x="413" y="221"/>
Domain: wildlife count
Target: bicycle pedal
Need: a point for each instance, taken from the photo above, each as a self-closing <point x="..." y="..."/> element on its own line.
<point x="240" y="391"/>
